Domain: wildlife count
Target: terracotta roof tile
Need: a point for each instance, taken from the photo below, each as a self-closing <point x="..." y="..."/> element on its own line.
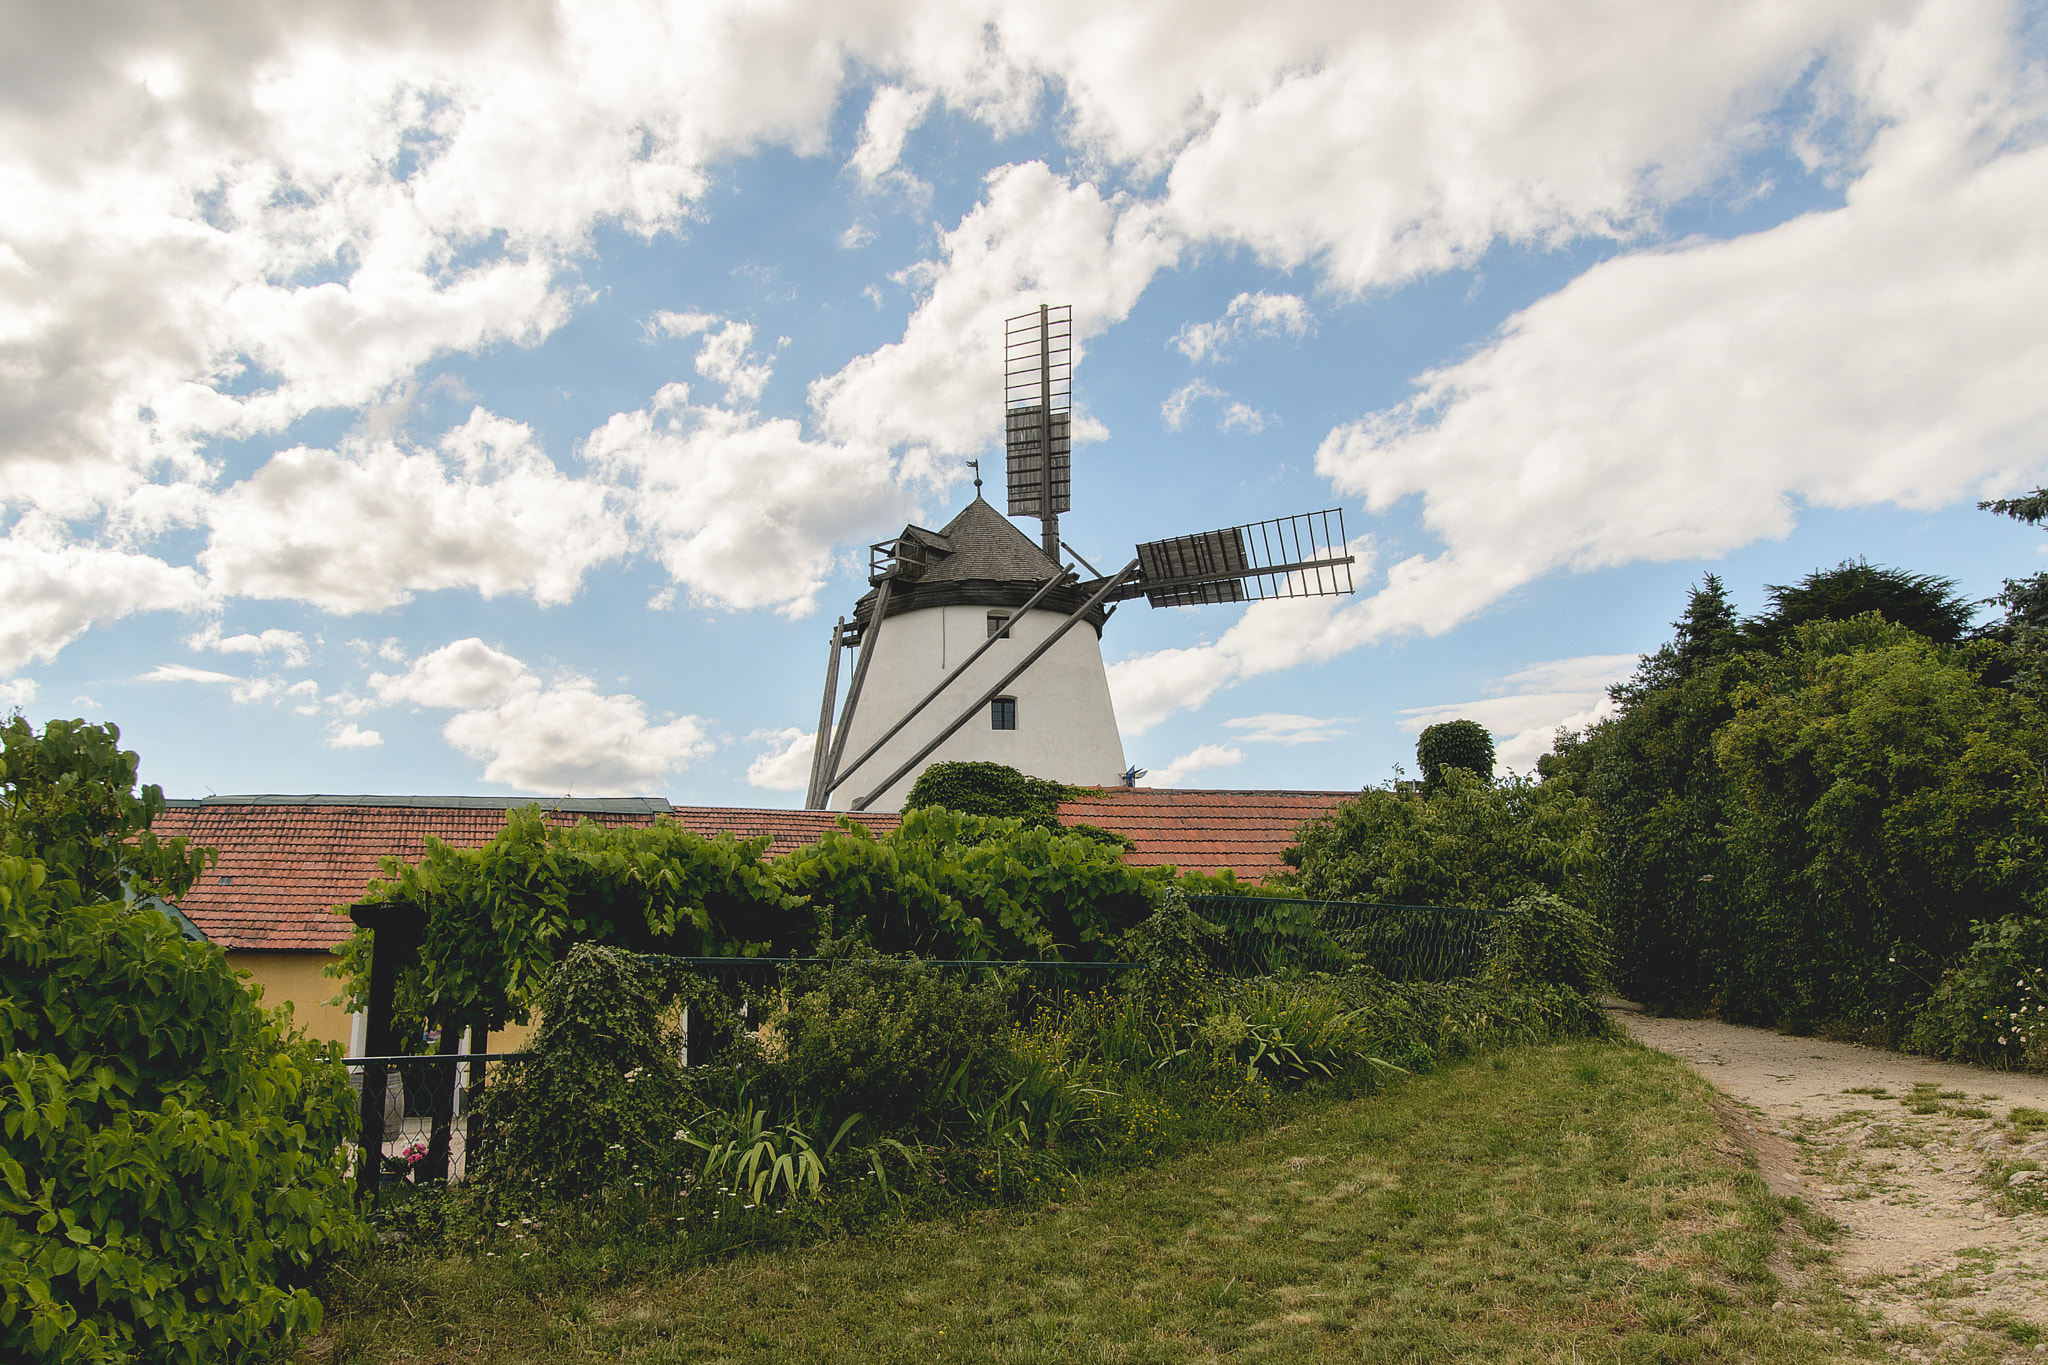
<point x="1202" y="830"/>
<point x="285" y="863"/>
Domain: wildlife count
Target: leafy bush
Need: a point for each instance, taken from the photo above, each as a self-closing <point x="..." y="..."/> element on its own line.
<point x="1542" y="940"/>
<point x="1451" y="744"/>
<point x="992" y="789"/>
<point x="602" y="1091"/>
<point x="1466" y="842"/>
<point x="947" y="885"/>
<point x="497" y="917"/>
<point x="888" y="1038"/>
<point x="170" y="1151"/>
<point x="1992" y="1003"/>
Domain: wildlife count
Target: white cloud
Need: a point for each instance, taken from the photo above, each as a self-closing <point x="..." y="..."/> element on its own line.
<point x="290" y="643"/>
<point x="365" y="527"/>
<point x="892" y="113"/>
<point x="53" y="593"/>
<point x="350" y="737"/>
<point x="460" y="676"/>
<point x="1254" y="315"/>
<point x="1195" y="760"/>
<point x="785" y="765"/>
<point x="743" y="512"/>
<point x="725" y="356"/>
<point x="1174" y="411"/>
<point x="1678" y="404"/>
<point x="1538" y="699"/>
<point x="17" y="693"/>
<point x="556" y="737"/>
<point x="568" y="738"/>
<point x="856" y="236"/>
<point x="1242" y="417"/>
<point x="185" y="673"/>
<point x="1035" y="236"/>
<point x="1279" y="727"/>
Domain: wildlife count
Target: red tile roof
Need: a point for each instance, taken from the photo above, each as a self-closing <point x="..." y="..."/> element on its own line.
<point x="286" y="862"/>
<point x="1202" y="830"/>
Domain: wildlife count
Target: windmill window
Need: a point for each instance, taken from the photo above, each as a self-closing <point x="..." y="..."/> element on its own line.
<point x="999" y="624"/>
<point x="1002" y="714"/>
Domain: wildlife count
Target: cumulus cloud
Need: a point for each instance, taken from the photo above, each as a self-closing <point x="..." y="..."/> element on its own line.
<point x="742" y="511"/>
<point x="554" y="736"/>
<point x="185" y="673"/>
<point x="369" y="525"/>
<point x="53" y="593"/>
<point x="785" y="765"/>
<point x="1174" y="411"/>
<point x="243" y="691"/>
<point x="726" y="356"/>
<point x="1195" y="760"/>
<point x="568" y="738"/>
<point x="17" y="693"/>
<point x="290" y="643"/>
<point x="1034" y="236"/>
<point x="1249" y="315"/>
<point x="349" y="736"/>
<point x="893" y="113"/>
<point x="1532" y="703"/>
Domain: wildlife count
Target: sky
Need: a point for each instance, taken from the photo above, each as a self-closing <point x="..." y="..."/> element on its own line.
<point x="500" y="398"/>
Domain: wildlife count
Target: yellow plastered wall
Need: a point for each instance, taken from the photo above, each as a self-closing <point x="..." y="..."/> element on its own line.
<point x="296" y="977"/>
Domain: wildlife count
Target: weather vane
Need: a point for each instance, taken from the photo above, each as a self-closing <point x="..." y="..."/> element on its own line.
<point x="975" y="465"/>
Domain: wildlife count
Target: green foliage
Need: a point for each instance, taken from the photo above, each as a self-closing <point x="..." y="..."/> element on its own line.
<point x="887" y="1038"/>
<point x="602" y="1089"/>
<point x="1543" y="940"/>
<point x="989" y="789"/>
<point x="1925" y="604"/>
<point x="1467" y="842"/>
<point x="947" y="885"/>
<point x="1992" y="1004"/>
<point x="1451" y="744"/>
<point x="499" y="916"/>
<point x="1885" y="796"/>
<point x="170" y="1163"/>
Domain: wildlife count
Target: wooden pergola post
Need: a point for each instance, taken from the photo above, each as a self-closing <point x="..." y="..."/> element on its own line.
<point x="396" y="928"/>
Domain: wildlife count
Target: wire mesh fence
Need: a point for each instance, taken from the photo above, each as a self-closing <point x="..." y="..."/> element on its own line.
<point x="1267" y="936"/>
<point x="414" y="1114"/>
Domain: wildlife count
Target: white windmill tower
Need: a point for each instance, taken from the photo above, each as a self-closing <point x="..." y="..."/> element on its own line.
<point x="976" y="610"/>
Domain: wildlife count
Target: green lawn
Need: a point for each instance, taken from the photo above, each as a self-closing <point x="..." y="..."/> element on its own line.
<point x="1572" y="1203"/>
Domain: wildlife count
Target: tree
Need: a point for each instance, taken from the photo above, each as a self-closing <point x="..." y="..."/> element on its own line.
<point x="1926" y="604"/>
<point x="170" y="1151"/>
<point x="1454" y="744"/>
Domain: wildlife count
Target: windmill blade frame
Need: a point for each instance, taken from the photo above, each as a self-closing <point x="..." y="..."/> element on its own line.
<point x="1304" y="555"/>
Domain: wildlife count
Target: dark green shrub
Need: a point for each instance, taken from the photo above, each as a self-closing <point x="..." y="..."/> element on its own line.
<point x="989" y="789"/>
<point x="1543" y="940"/>
<point x="882" y="1037"/>
<point x="170" y="1151"/>
<point x="1992" y="1004"/>
<point x="602" y="1092"/>
<point x="1454" y="744"/>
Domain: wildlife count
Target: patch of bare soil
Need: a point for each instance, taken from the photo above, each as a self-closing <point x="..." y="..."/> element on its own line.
<point x="1936" y="1170"/>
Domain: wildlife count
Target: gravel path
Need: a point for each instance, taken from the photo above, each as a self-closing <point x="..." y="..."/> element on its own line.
<point x="1935" y="1169"/>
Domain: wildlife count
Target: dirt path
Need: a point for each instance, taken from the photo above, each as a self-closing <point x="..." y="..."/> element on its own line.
<point x="1936" y="1170"/>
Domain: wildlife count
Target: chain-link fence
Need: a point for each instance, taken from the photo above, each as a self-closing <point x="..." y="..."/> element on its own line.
<point x="1268" y="936"/>
<point x="421" y="1107"/>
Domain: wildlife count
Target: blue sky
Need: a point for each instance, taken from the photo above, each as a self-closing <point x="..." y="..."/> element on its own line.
<point x="502" y="401"/>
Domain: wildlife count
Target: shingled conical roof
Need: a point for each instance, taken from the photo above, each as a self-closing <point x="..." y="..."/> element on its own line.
<point x="979" y="559"/>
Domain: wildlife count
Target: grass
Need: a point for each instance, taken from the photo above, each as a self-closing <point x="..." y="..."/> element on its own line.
<point x="1567" y="1203"/>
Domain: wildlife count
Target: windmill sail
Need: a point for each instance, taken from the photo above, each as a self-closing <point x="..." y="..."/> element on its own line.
<point x="1038" y="374"/>
<point x="1299" y="556"/>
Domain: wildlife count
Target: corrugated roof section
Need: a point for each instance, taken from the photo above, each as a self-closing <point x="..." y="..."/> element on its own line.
<point x="1202" y="831"/>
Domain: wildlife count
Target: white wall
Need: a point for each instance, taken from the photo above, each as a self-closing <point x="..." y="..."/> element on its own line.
<point x="1066" y="729"/>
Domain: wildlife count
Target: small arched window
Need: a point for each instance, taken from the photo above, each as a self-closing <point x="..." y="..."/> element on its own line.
<point x="1002" y="714"/>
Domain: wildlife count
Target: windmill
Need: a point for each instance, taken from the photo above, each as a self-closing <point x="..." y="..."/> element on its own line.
<point x="976" y="609"/>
